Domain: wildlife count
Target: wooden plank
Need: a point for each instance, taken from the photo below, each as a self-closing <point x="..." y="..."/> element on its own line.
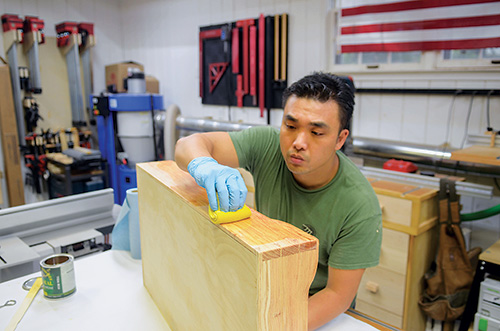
<point x="392" y="188"/>
<point x="253" y="274"/>
<point x="1" y="191"/>
<point x="492" y="254"/>
<point x="423" y="193"/>
<point x="379" y="313"/>
<point x="478" y="154"/>
<point x="10" y="141"/>
<point x="422" y="253"/>
<point x="376" y="323"/>
<point x="54" y="102"/>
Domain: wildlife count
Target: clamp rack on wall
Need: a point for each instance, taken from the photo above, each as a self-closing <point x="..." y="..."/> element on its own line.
<point x="33" y="35"/>
<point x="69" y="40"/>
<point x="29" y="33"/>
<point x="75" y="40"/>
<point x="86" y="31"/>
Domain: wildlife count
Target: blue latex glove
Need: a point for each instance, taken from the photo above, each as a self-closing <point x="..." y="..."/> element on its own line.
<point x="220" y="180"/>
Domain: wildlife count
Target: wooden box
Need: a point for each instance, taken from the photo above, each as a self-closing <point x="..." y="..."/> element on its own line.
<point x="10" y="141"/>
<point x="248" y="275"/>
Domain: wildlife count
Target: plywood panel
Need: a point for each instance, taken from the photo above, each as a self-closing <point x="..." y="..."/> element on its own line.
<point x="54" y="101"/>
<point x="491" y="254"/>
<point x="248" y="275"/>
<point x="478" y="154"/>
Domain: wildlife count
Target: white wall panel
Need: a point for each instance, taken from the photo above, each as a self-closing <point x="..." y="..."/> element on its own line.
<point x="424" y="118"/>
<point x="299" y="29"/>
<point x="390" y="117"/>
<point x="436" y="121"/>
<point x="414" y="118"/>
<point x="367" y="111"/>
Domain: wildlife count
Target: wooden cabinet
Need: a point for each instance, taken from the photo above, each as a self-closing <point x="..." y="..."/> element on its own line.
<point x="390" y="291"/>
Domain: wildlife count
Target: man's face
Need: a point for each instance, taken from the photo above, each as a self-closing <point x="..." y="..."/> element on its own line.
<point x="309" y="137"/>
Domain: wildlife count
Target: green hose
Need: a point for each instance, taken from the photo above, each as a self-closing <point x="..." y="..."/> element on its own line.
<point x="495" y="210"/>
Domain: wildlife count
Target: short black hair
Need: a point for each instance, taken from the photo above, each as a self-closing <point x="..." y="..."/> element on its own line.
<point x="324" y="87"/>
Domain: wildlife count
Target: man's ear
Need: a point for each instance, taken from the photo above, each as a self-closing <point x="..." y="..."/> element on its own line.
<point x="341" y="139"/>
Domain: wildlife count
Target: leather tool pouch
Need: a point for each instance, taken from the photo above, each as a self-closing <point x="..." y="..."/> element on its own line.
<point x="449" y="279"/>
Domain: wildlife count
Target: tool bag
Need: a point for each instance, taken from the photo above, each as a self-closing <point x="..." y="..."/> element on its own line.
<point x="450" y="277"/>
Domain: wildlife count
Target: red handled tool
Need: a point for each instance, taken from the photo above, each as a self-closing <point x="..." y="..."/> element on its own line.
<point x="239" y="90"/>
<point x="215" y="72"/>
<point x="245" y="24"/>
<point x="253" y="64"/>
<point x="262" y="68"/>
<point x="206" y="34"/>
<point x="235" y="51"/>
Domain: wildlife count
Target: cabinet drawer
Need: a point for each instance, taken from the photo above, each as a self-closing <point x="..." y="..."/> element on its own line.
<point x="383" y="288"/>
<point x="394" y="251"/>
<point x="395" y="210"/>
<point x="379" y="313"/>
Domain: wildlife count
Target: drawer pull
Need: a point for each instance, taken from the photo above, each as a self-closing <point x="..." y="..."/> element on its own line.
<point x="371" y="286"/>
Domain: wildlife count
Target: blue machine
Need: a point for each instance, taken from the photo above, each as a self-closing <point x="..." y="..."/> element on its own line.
<point x="106" y="108"/>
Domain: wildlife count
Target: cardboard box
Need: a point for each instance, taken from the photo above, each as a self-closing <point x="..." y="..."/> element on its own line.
<point x="115" y="73"/>
<point x="10" y="144"/>
<point x="152" y="85"/>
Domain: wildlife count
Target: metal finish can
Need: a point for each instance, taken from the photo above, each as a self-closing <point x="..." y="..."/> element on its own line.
<point x="58" y="275"/>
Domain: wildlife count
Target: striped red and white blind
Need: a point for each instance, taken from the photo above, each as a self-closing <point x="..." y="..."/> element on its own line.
<point x="419" y="25"/>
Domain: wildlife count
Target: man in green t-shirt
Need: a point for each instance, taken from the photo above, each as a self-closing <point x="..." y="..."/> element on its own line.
<point x="300" y="177"/>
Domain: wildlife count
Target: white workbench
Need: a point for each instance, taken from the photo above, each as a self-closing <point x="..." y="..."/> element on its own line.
<point x="109" y="296"/>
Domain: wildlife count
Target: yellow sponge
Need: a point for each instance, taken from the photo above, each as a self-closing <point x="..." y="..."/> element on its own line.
<point x="220" y="217"/>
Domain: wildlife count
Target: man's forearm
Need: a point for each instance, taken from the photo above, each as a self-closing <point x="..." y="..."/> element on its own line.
<point x="188" y="148"/>
<point x="325" y="306"/>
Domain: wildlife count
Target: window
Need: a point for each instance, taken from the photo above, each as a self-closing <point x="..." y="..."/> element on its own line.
<point x="378" y="57"/>
<point x="468" y="54"/>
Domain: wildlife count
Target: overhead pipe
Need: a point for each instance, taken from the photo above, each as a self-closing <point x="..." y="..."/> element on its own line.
<point x="204" y="124"/>
<point x="407" y="151"/>
<point x="424" y="154"/>
<point x="376" y="147"/>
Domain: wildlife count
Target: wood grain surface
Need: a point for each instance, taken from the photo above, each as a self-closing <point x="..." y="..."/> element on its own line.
<point x="248" y="275"/>
<point x="478" y="154"/>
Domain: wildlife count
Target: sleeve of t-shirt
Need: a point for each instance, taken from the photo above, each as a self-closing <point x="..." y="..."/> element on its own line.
<point x="251" y="145"/>
<point x="358" y="245"/>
